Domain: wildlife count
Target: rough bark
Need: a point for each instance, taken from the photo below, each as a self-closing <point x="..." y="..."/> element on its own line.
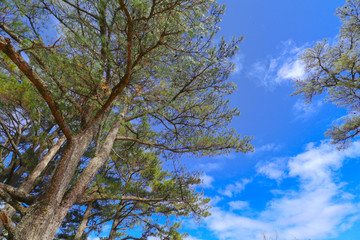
<point x="44" y="218"/>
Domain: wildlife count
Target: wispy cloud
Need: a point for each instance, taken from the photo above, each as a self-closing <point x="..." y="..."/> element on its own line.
<point x="319" y="209"/>
<point x="268" y="147"/>
<point x="272" y="169"/>
<point x="191" y="238"/>
<point x="206" y="181"/>
<point x="238" y="62"/>
<point x="304" y="111"/>
<point x="210" y="166"/>
<point x="291" y="70"/>
<point x="215" y="200"/>
<point x="93" y="238"/>
<point x="186" y="238"/>
<point x="229" y="225"/>
<point x="280" y="69"/>
<point x="238" y="205"/>
<point x="233" y="189"/>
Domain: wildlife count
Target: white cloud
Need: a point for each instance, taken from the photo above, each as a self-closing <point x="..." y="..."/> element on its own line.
<point x="228" y="225"/>
<point x="209" y="166"/>
<point x="93" y="238"/>
<point x="215" y="200"/>
<point x="235" y="188"/>
<point x="304" y="111"/>
<point x="206" y="181"/>
<point x="191" y="238"/>
<point x="292" y="69"/>
<point x="226" y="156"/>
<point x="186" y="238"/>
<point x="268" y="147"/>
<point x="319" y="209"/>
<point x="238" y="205"/>
<point x="282" y="68"/>
<point x="272" y="169"/>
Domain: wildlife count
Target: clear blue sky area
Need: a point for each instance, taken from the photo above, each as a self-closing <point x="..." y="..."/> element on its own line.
<point x="296" y="184"/>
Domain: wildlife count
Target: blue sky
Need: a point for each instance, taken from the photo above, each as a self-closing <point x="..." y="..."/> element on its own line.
<point x="296" y="184"/>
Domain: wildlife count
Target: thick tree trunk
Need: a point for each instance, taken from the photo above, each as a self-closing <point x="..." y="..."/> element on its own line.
<point x="43" y="220"/>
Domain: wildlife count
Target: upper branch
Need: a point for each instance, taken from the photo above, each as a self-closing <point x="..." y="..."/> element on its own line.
<point x="15" y="56"/>
<point x="103" y="196"/>
<point x="183" y="149"/>
<point x="129" y="64"/>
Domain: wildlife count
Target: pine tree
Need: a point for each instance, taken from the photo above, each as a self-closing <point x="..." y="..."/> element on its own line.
<point x="97" y="96"/>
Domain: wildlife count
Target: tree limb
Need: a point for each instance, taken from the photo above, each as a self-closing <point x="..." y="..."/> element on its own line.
<point x="184" y="149"/>
<point x="104" y="196"/>
<point x="9" y="225"/>
<point x="17" y="194"/>
<point x="15" y="56"/>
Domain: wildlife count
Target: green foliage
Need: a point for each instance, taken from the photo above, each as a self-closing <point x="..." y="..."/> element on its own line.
<point x="334" y="69"/>
<point x="172" y="75"/>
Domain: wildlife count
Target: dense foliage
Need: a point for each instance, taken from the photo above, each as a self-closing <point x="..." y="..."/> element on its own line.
<point x="98" y="100"/>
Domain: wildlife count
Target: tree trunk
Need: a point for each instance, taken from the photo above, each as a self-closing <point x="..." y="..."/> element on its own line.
<point x="44" y="218"/>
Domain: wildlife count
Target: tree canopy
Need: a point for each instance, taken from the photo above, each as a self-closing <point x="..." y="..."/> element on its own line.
<point x="98" y="101"/>
<point x="334" y="69"/>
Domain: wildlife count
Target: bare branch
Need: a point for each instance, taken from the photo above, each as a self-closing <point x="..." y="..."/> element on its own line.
<point x="17" y="194"/>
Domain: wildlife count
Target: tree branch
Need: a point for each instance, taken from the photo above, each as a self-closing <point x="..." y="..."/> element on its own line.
<point x="103" y="196"/>
<point x="91" y="169"/>
<point x="15" y="56"/>
<point x="14" y="146"/>
<point x="184" y="149"/>
<point x="129" y="65"/>
<point x="8" y="224"/>
<point x="16" y="194"/>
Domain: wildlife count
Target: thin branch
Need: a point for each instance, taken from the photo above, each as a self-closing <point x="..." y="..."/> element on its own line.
<point x="14" y="146"/>
<point x="184" y="149"/>
<point x="80" y="9"/>
<point x="103" y="196"/>
<point x="40" y="47"/>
